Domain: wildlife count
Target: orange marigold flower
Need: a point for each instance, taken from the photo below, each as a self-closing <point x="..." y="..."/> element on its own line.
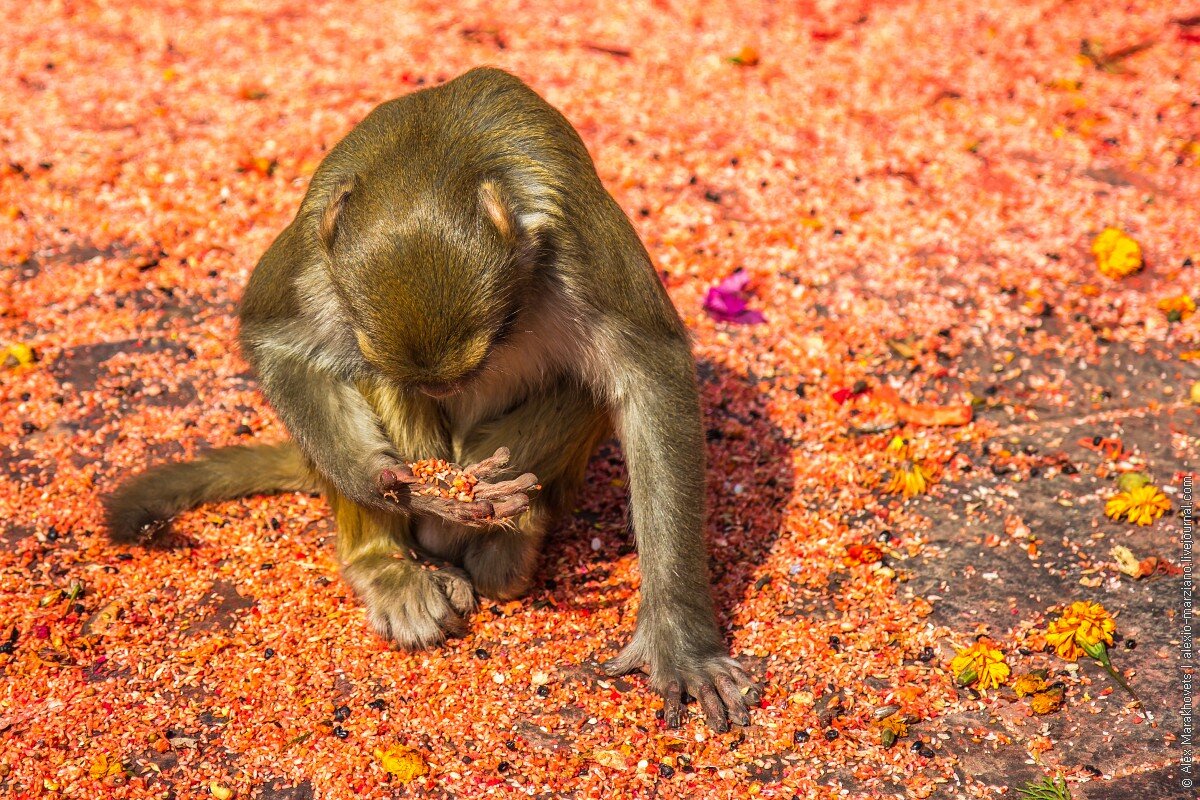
<point x="980" y="663"/>
<point x="1117" y="253"/>
<point x="1081" y="625"/>
<point x="1141" y="505"/>
<point x="1047" y="702"/>
<point x="1029" y="683"/>
<point x="1177" y="308"/>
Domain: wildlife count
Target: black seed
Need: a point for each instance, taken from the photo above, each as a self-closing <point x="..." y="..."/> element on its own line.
<point x="124" y="556"/>
<point x="341" y="732"/>
<point x="838" y="232"/>
<point x="503" y="766"/>
<point x="1131" y="644"/>
<point x="1025" y="651"/>
<point x="926" y="751"/>
<point x="543" y="691"/>
<point x="266" y="566"/>
<point x="926" y="655"/>
<point x="52" y="534"/>
<point x="884" y="536"/>
<point x="645" y="212"/>
<point x="243" y="430"/>
<point x="830" y="735"/>
<point x="917" y="745"/>
<point x="468" y="760"/>
<point x="25" y="397"/>
<point x="800" y="737"/>
<point x="1096" y="440"/>
<point x="269" y="653"/>
<point x="379" y="705"/>
<point x="511" y="745"/>
<point x="1070" y="469"/>
<point x="1034" y="472"/>
<point x="482" y="655"/>
<point x="341" y="713"/>
<point x="712" y="197"/>
<point x="835" y="642"/>
<point x="658" y="714"/>
<point x="666" y="770"/>
<point x="78" y="608"/>
<point x="7" y="648"/>
<point x="1093" y="771"/>
<point x="275" y="524"/>
<point x="28" y="427"/>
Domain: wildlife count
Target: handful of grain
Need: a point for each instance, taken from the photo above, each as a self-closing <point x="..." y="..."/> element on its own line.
<point x="440" y="478"/>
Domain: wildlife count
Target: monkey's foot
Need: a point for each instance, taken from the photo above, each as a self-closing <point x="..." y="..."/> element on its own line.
<point x="725" y="691"/>
<point x="412" y="604"/>
<point x="501" y="563"/>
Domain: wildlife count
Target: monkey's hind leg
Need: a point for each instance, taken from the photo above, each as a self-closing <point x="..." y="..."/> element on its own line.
<point x="413" y="603"/>
<point x="551" y="435"/>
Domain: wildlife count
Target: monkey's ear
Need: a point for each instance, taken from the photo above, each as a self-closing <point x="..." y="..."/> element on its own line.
<point x="491" y="196"/>
<point x="327" y="229"/>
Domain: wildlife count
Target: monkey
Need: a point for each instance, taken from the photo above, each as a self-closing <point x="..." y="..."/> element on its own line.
<point x="457" y="283"/>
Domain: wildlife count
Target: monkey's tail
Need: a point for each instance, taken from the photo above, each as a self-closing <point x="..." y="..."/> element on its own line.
<point x="143" y="506"/>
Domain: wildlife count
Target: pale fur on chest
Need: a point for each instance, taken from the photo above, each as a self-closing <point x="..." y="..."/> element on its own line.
<point x="537" y="354"/>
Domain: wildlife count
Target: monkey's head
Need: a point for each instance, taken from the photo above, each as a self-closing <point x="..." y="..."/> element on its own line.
<point x="431" y="280"/>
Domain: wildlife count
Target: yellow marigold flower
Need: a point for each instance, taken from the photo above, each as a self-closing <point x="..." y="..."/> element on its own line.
<point x="1117" y="254"/>
<point x="1047" y="702"/>
<point x="1177" y="308"/>
<point x="909" y="480"/>
<point x="1081" y="625"/>
<point x="1029" y="683"/>
<point x="403" y="763"/>
<point x="980" y="663"/>
<point x="1141" y="505"/>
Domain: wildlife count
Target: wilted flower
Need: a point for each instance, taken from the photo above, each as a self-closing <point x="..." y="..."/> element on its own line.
<point x="1082" y="623"/>
<point x="1047" y="702"/>
<point x="725" y="302"/>
<point x="1029" y="683"/>
<point x="1117" y="254"/>
<point x="1086" y="628"/>
<point x="1141" y="505"/>
<point x="1177" y="308"/>
<point x="980" y="663"/>
<point x="891" y="729"/>
<point x="910" y="479"/>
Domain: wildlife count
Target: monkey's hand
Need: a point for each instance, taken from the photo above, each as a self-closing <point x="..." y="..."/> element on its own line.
<point x="492" y="503"/>
<point x="725" y="691"/>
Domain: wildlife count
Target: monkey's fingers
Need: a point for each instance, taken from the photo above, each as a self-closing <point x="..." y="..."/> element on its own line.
<point x="490" y="465"/>
<point x="393" y="478"/>
<point x="518" y="485"/>
<point x="510" y="506"/>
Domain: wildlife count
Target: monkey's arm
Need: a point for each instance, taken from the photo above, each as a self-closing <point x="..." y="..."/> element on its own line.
<point x="657" y="412"/>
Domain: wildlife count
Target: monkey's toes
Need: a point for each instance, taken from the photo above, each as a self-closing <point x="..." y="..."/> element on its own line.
<point x="418" y="608"/>
<point x="724" y="691"/>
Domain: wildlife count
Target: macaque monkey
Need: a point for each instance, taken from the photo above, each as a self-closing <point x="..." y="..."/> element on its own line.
<point x="457" y="284"/>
